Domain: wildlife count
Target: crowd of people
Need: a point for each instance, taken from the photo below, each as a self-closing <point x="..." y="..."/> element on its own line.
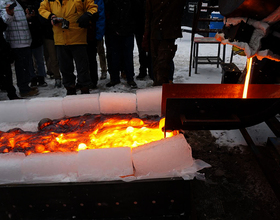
<point x="53" y="37"/>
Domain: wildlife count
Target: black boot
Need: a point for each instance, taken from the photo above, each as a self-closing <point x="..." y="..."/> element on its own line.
<point x="13" y="96"/>
<point x="71" y="91"/>
<point x="41" y="81"/>
<point x="84" y="90"/>
<point x="34" y="82"/>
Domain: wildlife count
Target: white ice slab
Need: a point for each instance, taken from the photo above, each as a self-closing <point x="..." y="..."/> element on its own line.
<point x="149" y="101"/>
<point x="114" y="103"/>
<point x="164" y="158"/>
<point x="50" y="167"/>
<point x="76" y="105"/>
<point x="39" y="108"/>
<point x="10" y="167"/>
<point x="104" y="164"/>
<point x="13" y="111"/>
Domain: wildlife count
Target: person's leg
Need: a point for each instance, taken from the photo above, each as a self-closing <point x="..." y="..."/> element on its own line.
<point x="79" y="53"/>
<point x="142" y="57"/>
<point x="6" y="78"/>
<point x="38" y="54"/>
<point x="128" y="46"/>
<point x="102" y="59"/>
<point x="66" y="66"/>
<point x="92" y="52"/>
<point x="149" y="65"/>
<point x="163" y="61"/>
<point x="171" y="74"/>
<point x="52" y="62"/>
<point x="154" y="53"/>
<point x="113" y="58"/>
<point x="23" y="68"/>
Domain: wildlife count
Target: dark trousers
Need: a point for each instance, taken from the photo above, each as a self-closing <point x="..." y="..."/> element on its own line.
<point x="23" y="68"/>
<point x="163" y="52"/>
<point x="145" y="59"/>
<point x="92" y="53"/>
<point x="6" y="78"/>
<point x="120" y="48"/>
<point x="66" y="55"/>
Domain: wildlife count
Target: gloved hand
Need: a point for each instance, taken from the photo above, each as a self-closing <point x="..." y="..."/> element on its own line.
<point x="84" y="20"/>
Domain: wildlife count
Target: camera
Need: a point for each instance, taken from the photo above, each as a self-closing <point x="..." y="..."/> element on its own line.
<point x="31" y="9"/>
<point x="64" y="22"/>
<point x="12" y="5"/>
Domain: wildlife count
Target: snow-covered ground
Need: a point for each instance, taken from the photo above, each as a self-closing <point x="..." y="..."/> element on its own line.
<point x="207" y="74"/>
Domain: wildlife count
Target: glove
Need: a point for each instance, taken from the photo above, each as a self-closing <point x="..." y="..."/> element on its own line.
<point x="84" y="20"/>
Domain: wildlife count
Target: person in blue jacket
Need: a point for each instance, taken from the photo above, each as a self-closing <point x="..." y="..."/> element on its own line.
<point x="95" y="33"/>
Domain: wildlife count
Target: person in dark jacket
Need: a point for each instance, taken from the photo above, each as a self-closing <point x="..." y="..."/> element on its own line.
<point x="50" y="52"/>
<point x="162" y="28"/>
<point x="38" y="74"/>
<point x="144" y="57"/>
<point x="6" y="58"/>
<point x="119" y="39"/>
<point x="95" y="32"/>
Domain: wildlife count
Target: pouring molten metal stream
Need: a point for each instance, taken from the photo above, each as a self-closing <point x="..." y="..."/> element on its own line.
<point x="84" y="132"/>
<point x="247" y="79"/>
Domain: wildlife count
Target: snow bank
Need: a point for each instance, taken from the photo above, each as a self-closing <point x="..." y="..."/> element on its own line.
<point x="10" y="111"/>
<point x="104" y="164"/>
<point x="75" y="105"/>
<point x="114" y="103"/>
<point x="164" y="158"/>
<point x="10" y="168"/>
<point x="145" y="101"/>
<point x="149" y="101"/>
<point x="170" y="157"/>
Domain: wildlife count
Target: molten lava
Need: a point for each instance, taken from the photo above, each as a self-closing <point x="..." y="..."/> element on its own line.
<point x="85" y="132"/>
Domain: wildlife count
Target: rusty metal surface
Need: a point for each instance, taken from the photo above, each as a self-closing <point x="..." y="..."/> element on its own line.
<point x="221" y="91"/>
<point x="217" y="106"/>
<point x="257" y="9"/>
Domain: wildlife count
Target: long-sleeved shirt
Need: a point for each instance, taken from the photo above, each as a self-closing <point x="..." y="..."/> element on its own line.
<point x="17" y="32"/>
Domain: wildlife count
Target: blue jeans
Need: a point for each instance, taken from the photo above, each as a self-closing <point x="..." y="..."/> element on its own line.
<point x="38" y="54"/>
<point x="66" y="55"/>
<point x="23" y="67"/>
<point x="120" y="48"/>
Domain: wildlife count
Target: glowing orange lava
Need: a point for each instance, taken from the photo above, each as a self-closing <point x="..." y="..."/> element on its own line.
<point x="74" y="135"/>
<point x="247" y="79"/>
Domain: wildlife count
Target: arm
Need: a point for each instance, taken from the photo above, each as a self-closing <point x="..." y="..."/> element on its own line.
<point x="7" y="14"/>
<point x="90" y="9"/>
<point x="45" y="10"/>
<point x="100" y="24"/>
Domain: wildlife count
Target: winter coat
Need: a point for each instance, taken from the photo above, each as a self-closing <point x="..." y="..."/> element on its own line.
<point x="96" y="29"/>
<point x="6" y="54"/>
<point x="163" y="18"/>
<point x="3" y="43"/>
<point x="17" y="32"/>
<point x="100" y="23"/>
<point x="34" y="24"/>
<point x="121" y="16"/>
<point x="71" y="10"/>
<point x="140" y="19"/>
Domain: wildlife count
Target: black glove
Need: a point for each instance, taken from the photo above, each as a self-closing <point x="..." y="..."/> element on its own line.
<point x="84" y="20"/>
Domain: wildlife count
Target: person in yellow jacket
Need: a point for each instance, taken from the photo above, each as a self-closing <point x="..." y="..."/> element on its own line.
<point x="70" y="19"/>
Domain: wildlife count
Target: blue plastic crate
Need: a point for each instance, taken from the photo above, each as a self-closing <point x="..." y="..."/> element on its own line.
<point x="215" y="25"/>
